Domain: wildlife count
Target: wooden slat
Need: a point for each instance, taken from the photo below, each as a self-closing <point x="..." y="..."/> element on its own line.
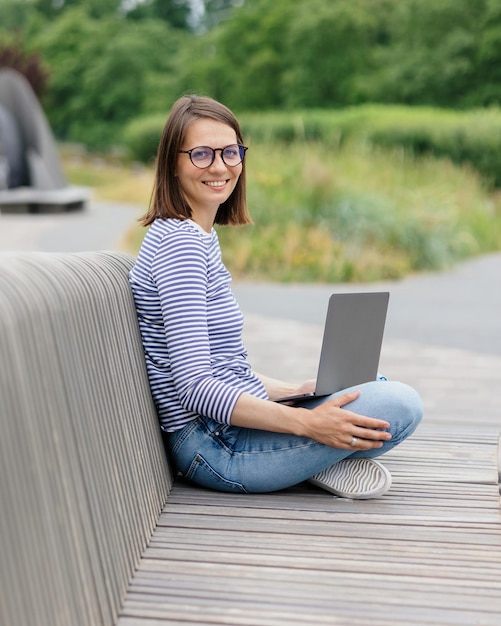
<point x="82" y="466"/>
<point x="428" y="552"/>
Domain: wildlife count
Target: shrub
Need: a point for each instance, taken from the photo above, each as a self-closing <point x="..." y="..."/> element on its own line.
<point x="472" y="137"/>
<point x="14" y="56"/>
<point x="142" y="136"/>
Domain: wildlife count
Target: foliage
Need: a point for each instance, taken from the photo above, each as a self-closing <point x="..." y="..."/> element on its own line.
<point x="94" y="8"/>
<point x="109" y="177"/>
<point x="124" y="78"/>
<point x="111" y="61"/>
<point x="468" y="137"/>
<point x="471" y="137"/>
<point x="142" y="135"/>
<point x="324" y="54"/>
<point x="14" y="15"/>
<point x="357" y="213"/>
<point x="108" y="64"/>
<point x="439" y="53"/>
<point x="14" y="55"/>
<point x="240" y="62"/>
<point x="175" y="12"/>
<point x="333" y="42"/>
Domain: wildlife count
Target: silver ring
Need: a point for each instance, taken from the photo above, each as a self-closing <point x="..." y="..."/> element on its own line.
<point x="353" y="442"/>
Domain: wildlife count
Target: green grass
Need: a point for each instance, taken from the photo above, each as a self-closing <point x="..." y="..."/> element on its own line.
<point x="358" y="213"/>
<point x="352" y="213"/>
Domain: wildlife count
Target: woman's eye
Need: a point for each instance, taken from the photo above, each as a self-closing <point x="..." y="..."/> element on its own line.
<point x="201" y="154"/>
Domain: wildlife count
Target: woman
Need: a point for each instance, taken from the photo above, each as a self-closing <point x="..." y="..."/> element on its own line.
<point x="224" y="429"/>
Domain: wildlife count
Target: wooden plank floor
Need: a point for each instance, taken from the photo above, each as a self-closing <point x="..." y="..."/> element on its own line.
<point x="428" y="552"/>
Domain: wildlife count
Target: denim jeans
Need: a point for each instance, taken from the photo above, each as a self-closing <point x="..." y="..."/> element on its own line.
<point x="243" y="460"/>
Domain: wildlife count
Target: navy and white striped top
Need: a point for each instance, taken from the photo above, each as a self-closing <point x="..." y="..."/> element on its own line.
<point x="191" y="325"/>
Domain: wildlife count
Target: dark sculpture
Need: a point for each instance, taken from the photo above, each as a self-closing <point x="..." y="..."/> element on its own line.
<point x="31" y="178"/>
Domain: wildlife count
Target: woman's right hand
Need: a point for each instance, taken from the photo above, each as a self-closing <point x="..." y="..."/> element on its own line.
<point x="328" y="423"/>
<point x="331" y="424"/>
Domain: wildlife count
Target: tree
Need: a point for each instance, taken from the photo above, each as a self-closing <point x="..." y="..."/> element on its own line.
<point x="327" y="46"/>
<point x="175" y="12"/>
<point x="103" y="72"/>
<point x="15" y="56"/>
<point x="95" y="8"/>
<point x="13" y="14"/>
<point x="217" y="11"/>
<point x="432" y="55"/>
<point x="240" y="61"/>
<point x="293" y="54"/>
<point x="487" y="90"/>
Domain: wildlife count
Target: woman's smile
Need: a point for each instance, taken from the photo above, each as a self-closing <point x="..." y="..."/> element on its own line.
<point x="208" y="187"/>
<point x="215" y="183"/>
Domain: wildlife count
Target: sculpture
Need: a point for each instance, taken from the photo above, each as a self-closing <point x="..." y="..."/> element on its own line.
<point x="31" y="177"/>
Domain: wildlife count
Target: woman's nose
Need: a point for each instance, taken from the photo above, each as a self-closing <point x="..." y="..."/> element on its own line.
<point x="218" y="162"/>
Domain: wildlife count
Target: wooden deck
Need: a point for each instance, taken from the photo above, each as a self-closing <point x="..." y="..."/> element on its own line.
<point x="428" y="552"/>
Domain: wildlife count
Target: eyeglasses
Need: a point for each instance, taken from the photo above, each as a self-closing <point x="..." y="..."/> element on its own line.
<point x="203" y="156"/>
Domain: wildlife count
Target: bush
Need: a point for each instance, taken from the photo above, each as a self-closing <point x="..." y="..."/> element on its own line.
<point x="142" y="136"/>
<point x="353" y="212"/>
<point x="472" y="137"/>
<point x="357" y="213"/>
<point x="14" y="56"/>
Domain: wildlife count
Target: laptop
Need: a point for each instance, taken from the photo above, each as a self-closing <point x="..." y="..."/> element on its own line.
<point x="351" y="345"/>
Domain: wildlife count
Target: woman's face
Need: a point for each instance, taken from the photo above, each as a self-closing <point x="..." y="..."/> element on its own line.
<point x="205" y="189"/>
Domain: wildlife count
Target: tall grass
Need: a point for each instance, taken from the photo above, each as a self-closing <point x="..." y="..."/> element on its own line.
<point x="109" y="177"/>
<point x="357" y="213"/>
<point x="471" y="137"/>
<point x="352" y="212"/>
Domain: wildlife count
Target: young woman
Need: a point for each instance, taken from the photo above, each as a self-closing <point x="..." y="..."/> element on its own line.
<point x="225" y="431"/>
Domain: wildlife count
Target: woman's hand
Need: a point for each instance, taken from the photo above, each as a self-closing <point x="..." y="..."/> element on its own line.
<point x="331" y="424"/>
<point x="307" y="387"/>
<point x="278" y="388"/>
<point x="328" y="423"/>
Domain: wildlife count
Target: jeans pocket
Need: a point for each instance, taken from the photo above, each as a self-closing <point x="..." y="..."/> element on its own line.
<point x="201" y="473"/>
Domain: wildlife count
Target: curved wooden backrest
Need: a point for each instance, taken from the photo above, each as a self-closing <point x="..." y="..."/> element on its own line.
<point x="82" y="466"/>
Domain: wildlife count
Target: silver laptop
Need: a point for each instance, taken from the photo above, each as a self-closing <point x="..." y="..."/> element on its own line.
<point x="352" y="340"/>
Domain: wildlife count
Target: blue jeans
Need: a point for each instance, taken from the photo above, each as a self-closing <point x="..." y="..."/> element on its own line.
<point x="244" y="460"/>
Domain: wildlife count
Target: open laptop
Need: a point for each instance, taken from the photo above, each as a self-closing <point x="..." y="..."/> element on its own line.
<point x="351" y="344"/>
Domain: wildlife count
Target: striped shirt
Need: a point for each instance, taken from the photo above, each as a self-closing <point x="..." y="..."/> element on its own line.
<point x="191" y="325"/>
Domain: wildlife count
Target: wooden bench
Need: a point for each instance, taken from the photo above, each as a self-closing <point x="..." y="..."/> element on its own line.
<point x="94" y="531"/>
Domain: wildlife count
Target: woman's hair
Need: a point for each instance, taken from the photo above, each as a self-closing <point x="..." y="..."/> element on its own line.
<point x="167" y="199"/>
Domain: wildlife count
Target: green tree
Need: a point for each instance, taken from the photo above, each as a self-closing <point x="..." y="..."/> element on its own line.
<point x="327" y="46"/>
<point x="13" y="14"/>
<point x="15" y="56"/>
<point x="324" y="53"/>
<point x="174" y="12"/>
<point x="96" y="8"/>
<point x="487" y="88"/>
<point x="433" y="52"/>
<point x="217" y="11"/>
<point x="242" y="60"/>
<point x="104" y="72"/>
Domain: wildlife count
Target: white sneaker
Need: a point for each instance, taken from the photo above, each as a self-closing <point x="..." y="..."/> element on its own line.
<point x="358" y="479"/>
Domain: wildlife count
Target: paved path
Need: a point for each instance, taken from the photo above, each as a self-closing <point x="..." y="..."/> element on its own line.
<point x="101" y="226"/>
<point x="443" y="334"/>
<point x="459" y="308"/>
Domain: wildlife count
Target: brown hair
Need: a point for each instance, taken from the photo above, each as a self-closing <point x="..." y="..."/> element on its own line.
<point x="167" y="199"/>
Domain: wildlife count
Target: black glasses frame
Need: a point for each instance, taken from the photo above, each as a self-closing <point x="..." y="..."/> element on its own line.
<point x="241" y="149"/>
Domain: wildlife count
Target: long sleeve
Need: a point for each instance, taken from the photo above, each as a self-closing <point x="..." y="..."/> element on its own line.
<point x="191" y="325"/>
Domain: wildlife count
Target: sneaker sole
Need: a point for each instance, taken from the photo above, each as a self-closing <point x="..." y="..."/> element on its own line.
<point x="358" y="479"/>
